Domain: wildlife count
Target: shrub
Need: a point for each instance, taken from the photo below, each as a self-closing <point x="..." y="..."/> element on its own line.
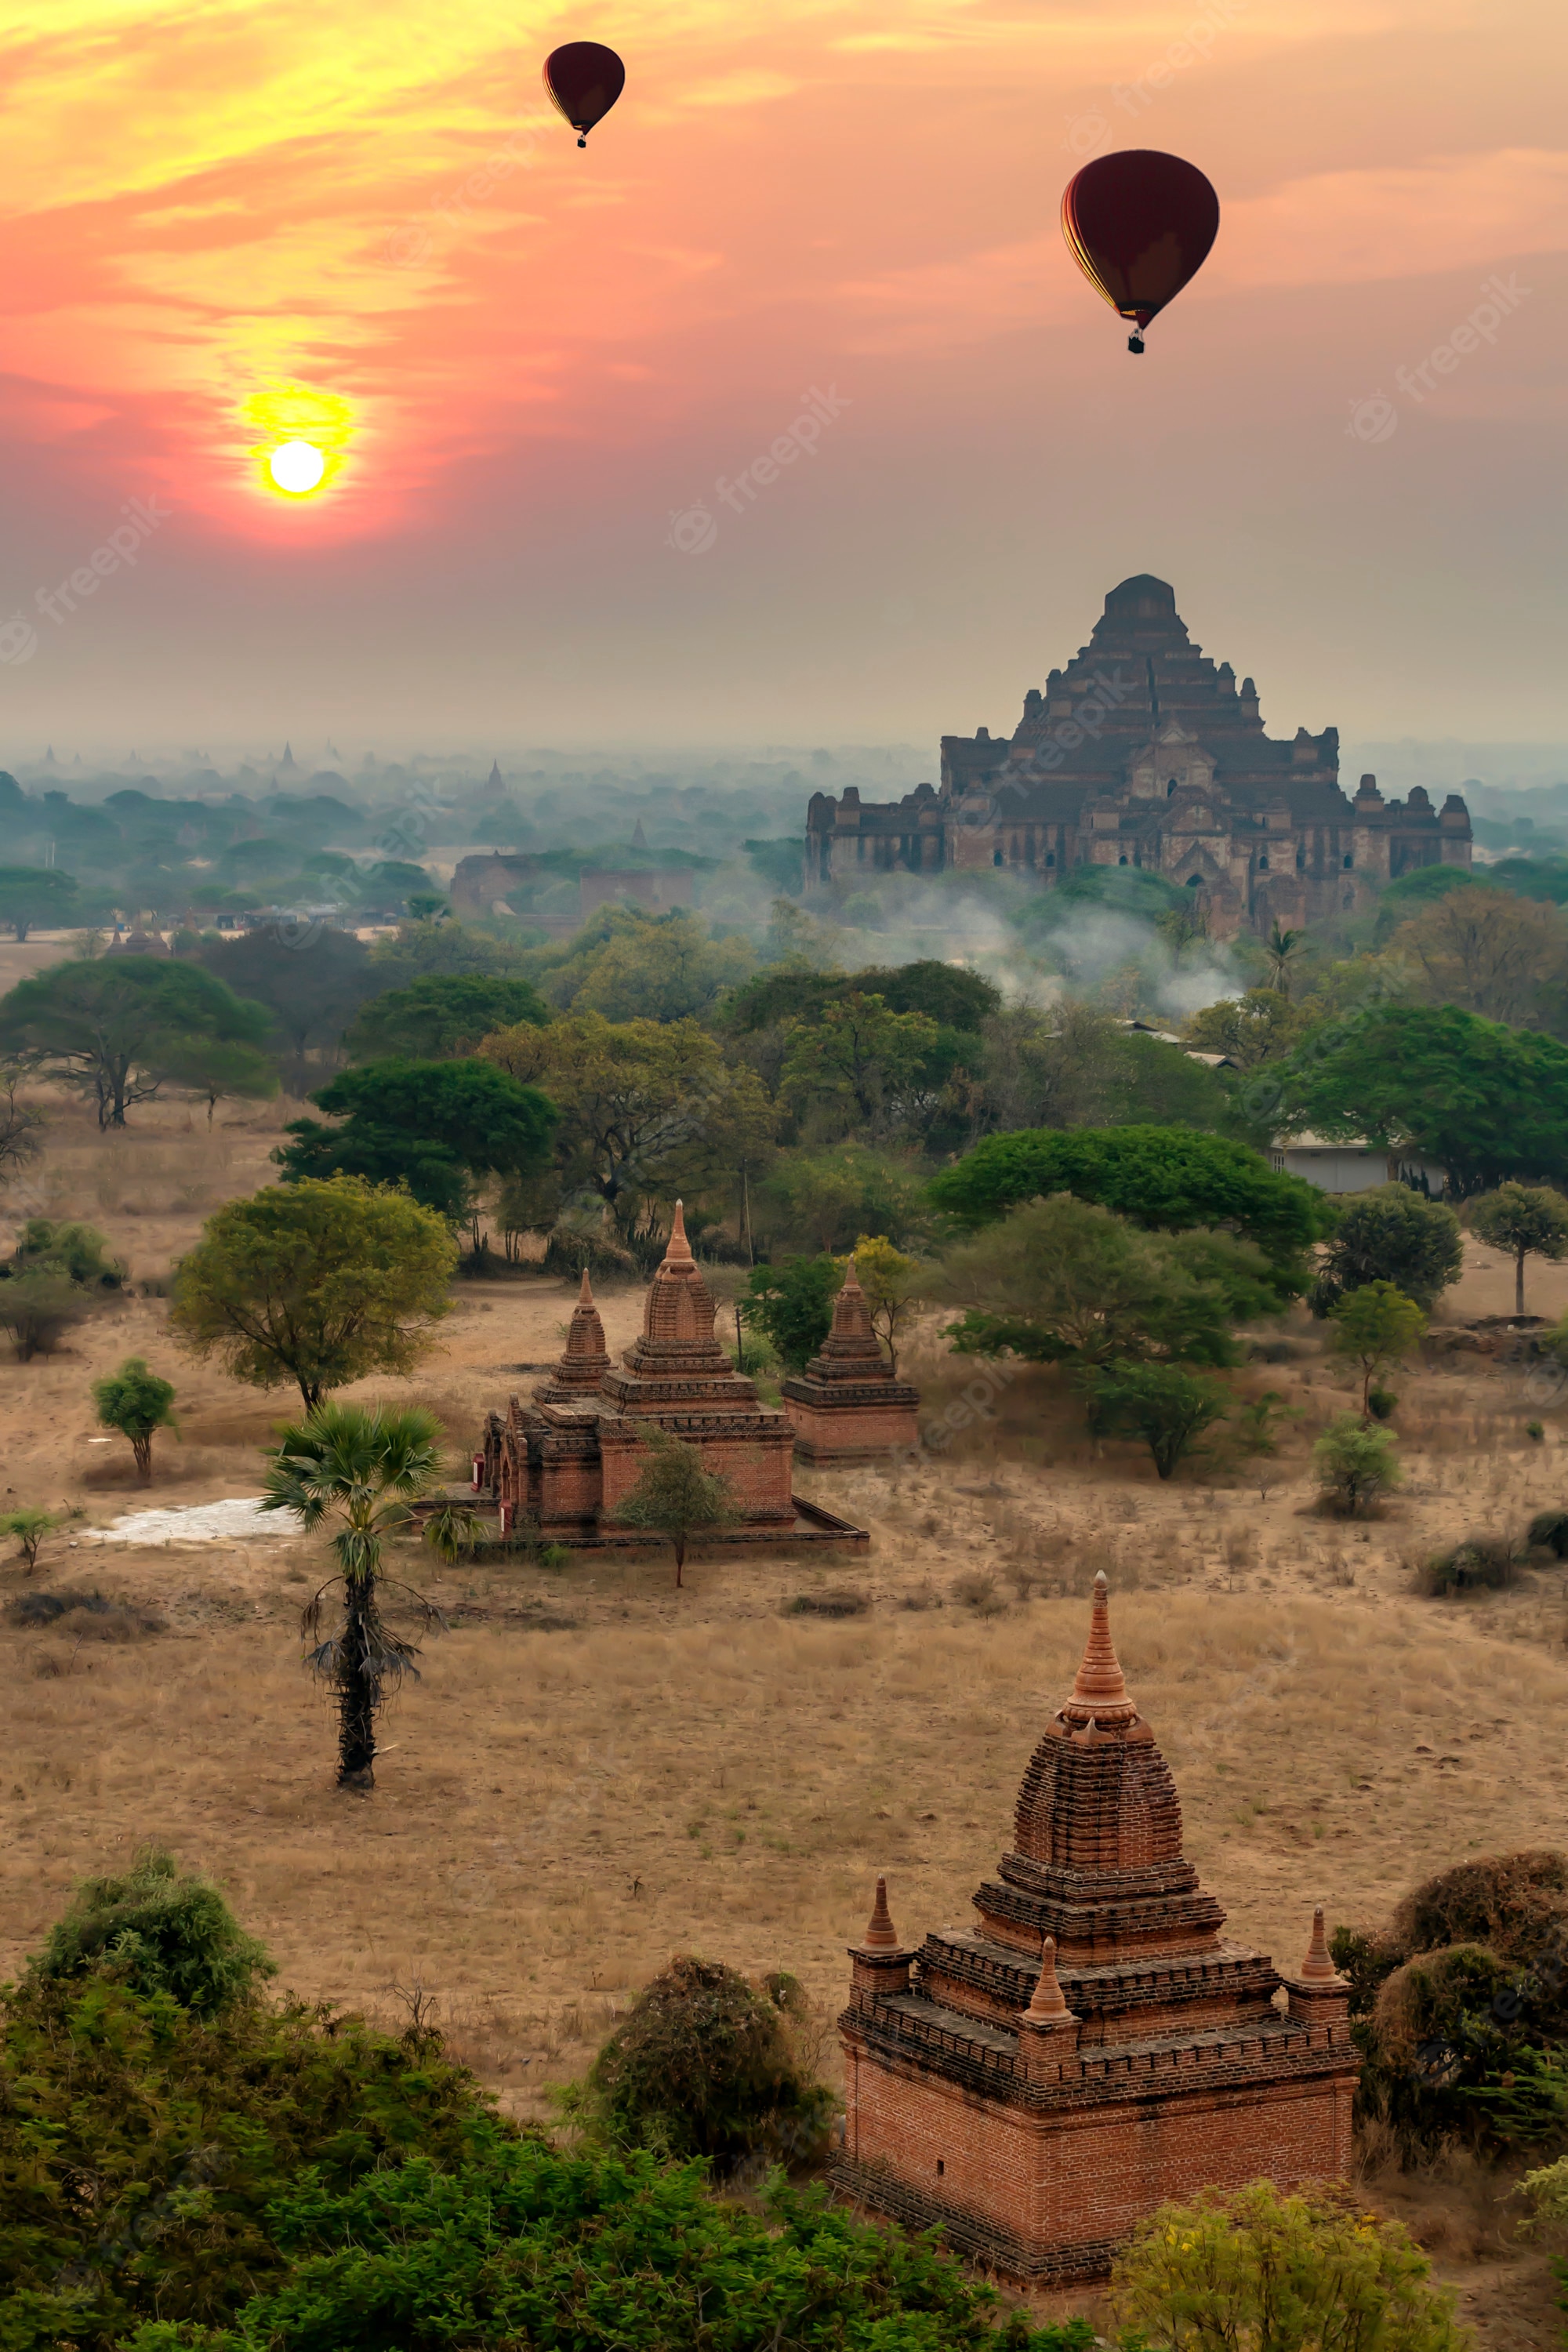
<point x="844" y="1603"/>
<point x="1375" y="1326"/>
<point x="708" y="2065"/>
<point x="1356" y="1466"/>
<point x="1381" y="1403"/>
<point x="1391" y="1234"/>
<point x="39" y="1305"/>
<point x="136" y="1402"/>
<point x="157" y="1933"/>
<point x="1168" y="1408"/>
<point x="79" y="1252"/>
<point x="1550" y="1530"/>
<point x="30" y="1527"/>
<point x="792" y="1304"/>
<point x="1256" y="2271"/>
<point x="1491" y="1561"/>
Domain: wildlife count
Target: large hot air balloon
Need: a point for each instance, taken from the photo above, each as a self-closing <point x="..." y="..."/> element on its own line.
<point x="583" y="81"/>
<point x="1139" y="226"/>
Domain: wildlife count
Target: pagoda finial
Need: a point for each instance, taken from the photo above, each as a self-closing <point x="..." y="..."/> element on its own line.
<point x="1319" y="1963"/>
<point x="1099" y="1693"/>
<point x="881" y="1935"/>
<point x="1047" y="2001"/>
<point x="679" y="1250"/>
<point x="585" y="1296"/>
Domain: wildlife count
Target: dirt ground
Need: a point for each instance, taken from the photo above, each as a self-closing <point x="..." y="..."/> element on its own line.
<point x="595" y="1771"/>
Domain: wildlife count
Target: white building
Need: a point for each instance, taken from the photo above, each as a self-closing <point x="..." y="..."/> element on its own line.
<point x="1355" y="1167"/>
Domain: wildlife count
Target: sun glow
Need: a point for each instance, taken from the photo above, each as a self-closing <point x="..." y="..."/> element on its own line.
<point x="296" y="466"/>
<point x="302" y="438"/>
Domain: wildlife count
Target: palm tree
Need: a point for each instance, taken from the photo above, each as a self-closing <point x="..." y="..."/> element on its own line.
<point x="1282" y="946"/>
<point x="364" y="1468"/>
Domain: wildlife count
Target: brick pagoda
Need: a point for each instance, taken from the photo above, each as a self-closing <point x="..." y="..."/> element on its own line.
<point x="846" y="1406"/>
<point x="1093" y="2045"/>
<point x="561" y="1464"/>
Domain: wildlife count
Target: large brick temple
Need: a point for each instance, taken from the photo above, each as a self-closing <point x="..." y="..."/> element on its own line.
<point x="557" y="1468"/>
<point x="1093" y="2045"/>
<point x="1141" y="752"/>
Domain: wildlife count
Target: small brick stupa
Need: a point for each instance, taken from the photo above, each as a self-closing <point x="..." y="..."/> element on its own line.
<point x="846" y="1406"/>
<point x="1093" y="2045"/>
<point x="562" y="1463"/>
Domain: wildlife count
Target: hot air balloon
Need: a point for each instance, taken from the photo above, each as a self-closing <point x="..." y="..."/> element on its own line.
<point x="583" y="81"/>
<point x="1139" y="225"/>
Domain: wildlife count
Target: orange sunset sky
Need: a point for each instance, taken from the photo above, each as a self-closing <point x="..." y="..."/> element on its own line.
<point x="531" y="368"/>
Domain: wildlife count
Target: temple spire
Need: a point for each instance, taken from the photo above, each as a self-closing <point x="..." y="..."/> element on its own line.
<point x="1099" y="1693"/>
<point x="585" y="1296"/>
<point x="1319" y="1963"/>
<point x="679" y="1250"/>
<point x="1047" y="2001"/>
<point x="880" y="1936"/>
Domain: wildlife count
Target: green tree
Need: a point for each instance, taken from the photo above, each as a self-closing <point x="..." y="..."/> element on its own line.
<point x="1390" y="1234"/>
<point x="1485" y="1102"/>
<point x="1064" y="1281"/>
<point x="676" y="1499"/>
<point x="821" y="1199"/>
<point x="894" y="1285"/>
<point x="36" y="895"/>
<point x="1376" y="1327"/>
<point x="428" y="945"/>
<point x="647" y="1108"/>
<point x="156" y="1931"/>
<point x="855" y="1065"/>
<point x="364" y="1469"/>
<point x="792" y="1303"/>
<point x="220" y="1070"/>
<point x="1525" y="1220"/>
<point x="1261" y="1026"/>
<point x="658" y="968"/>
<point x="1251" y="2270"/>
<point x="946" y="993"/>
<point x="37" y="1306"/>
<point x="432" y="1125"/>
<point x="112" y="1027"/>
<point x="1168" y="1408"/>
<point x="705" y="2065"/>
<point x="32" y="1528"/>
<point x="1282" y="948"/>
<point x="137" y="1403"/>
<point x="21" y="1125"/>
<point x="1488" y="953"/>
<point x="309" y="981"/>
<point x="1163" y="1178"/>
<point x="442" y="1016"/>
<point x="1356" y="1465"/>
<point x="316" y="1283"/>
<point x="77" y="1248"/>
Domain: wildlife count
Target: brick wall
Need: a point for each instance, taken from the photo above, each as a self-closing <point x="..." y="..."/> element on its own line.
<point x="851" y="1434"/>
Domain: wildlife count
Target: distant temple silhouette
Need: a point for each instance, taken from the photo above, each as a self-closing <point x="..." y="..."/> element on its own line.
<point x="1143" y="753"/>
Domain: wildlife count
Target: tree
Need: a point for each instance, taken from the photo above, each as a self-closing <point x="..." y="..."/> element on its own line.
<point x="792" y="1303"/>
<point x="1356" y="1464"/>
<point x="1159" y="1177"/>
<point x="442" y="1016"/>
<point x="855" y="1065"/>
<point x="31" y="1528"/>
<point x="39" y="1305"/>
<point x="946" y="993"/>
<point x="219" y="1070"/>
<point x="428" y="945"/>
<point x="1391" y="1234"/>
<point x="1486" y="1102"/>
<point x="112" y="1026"/>
<point x="156" y="1932"/>
<point x="1252" y="2267"/>
<point x="648" y="1110"/>
<point x="78" y="1250"/>
<point x="1282" y="948"/>
<point x="1488" y="953"/>
<point x="1526" y="1220"/>
<point x="136" y="1402"/>
<point x="1375" y="1327"/>
<point x="430" y="1125"/>
<point x="1168" y="1408"/>
<point x="316" y="1283"/>
<point x="706" y="2064"/>
<point x="21" y="1125"/>
<point x="365" y="1469"/>
<point x="893" y="1284"/>
<point x="661" y="967"/>
<point x="36" y="895"/>
<point x="676" y="1497"/>
<point x="1064" y="1281"/>
<point x="1261" y="1026"/>
<point x="308" y="980"/>
<point x="821" y="1199"/>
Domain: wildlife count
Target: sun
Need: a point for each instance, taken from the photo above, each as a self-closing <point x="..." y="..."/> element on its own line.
<point x="296" y="467"/>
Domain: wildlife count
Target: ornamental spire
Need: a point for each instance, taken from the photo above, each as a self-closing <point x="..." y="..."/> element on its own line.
<point x="1318" y="1965"/>
<point x="1099" y="1693"/>
<point x="1048" y="2003"/>
<point x="880" y="1936"/>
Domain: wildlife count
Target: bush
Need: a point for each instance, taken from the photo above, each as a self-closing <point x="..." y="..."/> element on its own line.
<point x="1381" y="1403"/>
<point x="708" y="2065"/>
<point x="1356" y="1466"/>
<point x="1488" y="1561"/>
<point x="1255" y="2271"/>
<point x="80" y="1251"/>
<point x="792" y="1304"/>
<point x="138" y="1403"/>
<point x="1169" y="1409"/>
<point x="30" y="1526"/>
<point x="157" y="1933"/>
<point x="1391" y="1234"/>
<point x="1549" y="1529"/>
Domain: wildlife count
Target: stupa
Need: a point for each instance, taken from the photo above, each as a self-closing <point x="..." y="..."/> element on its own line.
<point x="847" y="1406"/>
<point x="1094" y="2044"/>
<point x="559" y="1465"/>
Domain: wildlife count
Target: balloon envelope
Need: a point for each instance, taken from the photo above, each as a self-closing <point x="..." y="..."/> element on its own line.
<point x="583" y="81"/>
<point x="1139" y="225"/>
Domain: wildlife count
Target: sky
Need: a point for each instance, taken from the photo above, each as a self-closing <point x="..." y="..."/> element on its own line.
<point x="831" y="224"/>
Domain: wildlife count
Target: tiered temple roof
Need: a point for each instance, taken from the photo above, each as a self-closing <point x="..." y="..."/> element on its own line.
<point x="846" y="1406"/>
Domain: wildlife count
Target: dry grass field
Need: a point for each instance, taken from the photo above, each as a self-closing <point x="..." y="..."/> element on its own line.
<point x="597" y="1771"/>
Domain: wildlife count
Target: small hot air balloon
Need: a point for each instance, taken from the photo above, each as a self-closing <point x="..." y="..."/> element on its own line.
<point x="583" y="81"/>
<point x="1139" y="225"/>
